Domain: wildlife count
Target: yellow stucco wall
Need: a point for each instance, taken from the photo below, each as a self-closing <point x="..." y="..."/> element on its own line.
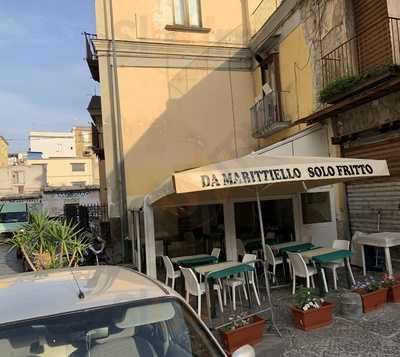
<point x="176" y="119"/>
<point x="3" y="152"/>
<point x="296" y="76"/>
<point x="145" y="20"/>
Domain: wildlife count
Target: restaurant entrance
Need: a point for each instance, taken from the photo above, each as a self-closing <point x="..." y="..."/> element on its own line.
<point x="278" y="219"/>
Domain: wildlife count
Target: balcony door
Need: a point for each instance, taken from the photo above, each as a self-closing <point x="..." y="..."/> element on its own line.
<point x="271" y="80"/>
<point x="372" y="29"/>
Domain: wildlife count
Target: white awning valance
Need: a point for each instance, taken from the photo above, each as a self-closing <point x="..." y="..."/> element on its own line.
<point x="271" y="174"/>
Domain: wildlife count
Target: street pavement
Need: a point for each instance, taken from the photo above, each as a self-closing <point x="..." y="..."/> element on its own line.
<point x="9" y="264"/>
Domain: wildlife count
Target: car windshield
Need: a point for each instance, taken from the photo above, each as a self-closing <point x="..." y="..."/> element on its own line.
<point x="13" y="217"/>
<point x="159" y="329"/>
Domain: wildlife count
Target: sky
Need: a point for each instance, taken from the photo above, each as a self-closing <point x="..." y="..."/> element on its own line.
<point x="45" y="83"/>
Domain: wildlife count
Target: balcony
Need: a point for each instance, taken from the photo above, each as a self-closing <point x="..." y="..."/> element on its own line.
<point x="91" y="57"/>
<point x="94" y="109"/>
<point x="362" y="62"/>
<point x="266" y="118"/>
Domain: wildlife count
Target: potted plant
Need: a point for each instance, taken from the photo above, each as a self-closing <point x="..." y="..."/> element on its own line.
<point x="242" y="330"/>
<point x="393" y="286"/>
<point x="310" y="311"/>
<point x="47" y="243"/>
<point x="373" y="294"/>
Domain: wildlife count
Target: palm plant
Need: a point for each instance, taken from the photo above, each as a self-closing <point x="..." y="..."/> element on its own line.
<point x="49" y="244"/>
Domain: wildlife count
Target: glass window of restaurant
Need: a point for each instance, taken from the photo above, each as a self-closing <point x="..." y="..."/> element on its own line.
<point x="189" y="230"/>
<point x="278" y="219"/>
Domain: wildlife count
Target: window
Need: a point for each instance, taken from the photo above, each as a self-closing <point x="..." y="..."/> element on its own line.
<point x="78" y="167"/>
<point x="160" y="328"/>
<point x="78" y="183"/>
<point x="18" y="177"/>
<point x="316" y="207"/>
<point x="187" y="13"/>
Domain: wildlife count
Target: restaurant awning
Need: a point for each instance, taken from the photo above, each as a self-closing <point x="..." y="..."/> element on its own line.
<point x="254" y="174"/>
<point x="269" y="174"/>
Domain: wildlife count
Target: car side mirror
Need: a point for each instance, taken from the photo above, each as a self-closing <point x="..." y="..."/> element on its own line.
<point x="244" y="351"/>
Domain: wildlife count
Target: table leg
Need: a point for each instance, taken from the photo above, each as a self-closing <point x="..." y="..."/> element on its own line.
<point x="363" y="259"/>
<point x="320" y="281"/>
<point x="388" y="260"/>
<point x="350" y="271"/>
<point x="246" y="278"/>
<point x="348" y="275"/>
<point x="210" y="306"/>
<point x="286" y="270"/>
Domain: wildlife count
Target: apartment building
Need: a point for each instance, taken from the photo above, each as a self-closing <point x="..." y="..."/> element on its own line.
<point x="184" y="84"/>
<point x="66" y="157"/>
<point x="20" y="180"/>
<point x="3" y="152"/>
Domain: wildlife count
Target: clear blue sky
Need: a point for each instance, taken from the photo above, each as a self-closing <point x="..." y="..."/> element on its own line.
<point x="45" y="83"/>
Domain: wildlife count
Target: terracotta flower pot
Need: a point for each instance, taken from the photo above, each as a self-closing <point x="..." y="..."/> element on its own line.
<point x="250" y="334"/>
<point x="373" y="300"/>
<point x="393" y="294"/>
<point x="313" y="318"/>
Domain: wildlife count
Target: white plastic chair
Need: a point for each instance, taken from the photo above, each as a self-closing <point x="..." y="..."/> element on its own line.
<point x="233" y="283"/>
<point x="344" y="245"/>
<point x="170" y="273"/>
<point x="302" y="270"/>
<point x="271" y="259"/>
<point x="193" y="287"/>
<point x="216" y="252"/>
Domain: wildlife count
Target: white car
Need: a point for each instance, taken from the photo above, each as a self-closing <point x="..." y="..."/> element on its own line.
<point x="99" y="312"/>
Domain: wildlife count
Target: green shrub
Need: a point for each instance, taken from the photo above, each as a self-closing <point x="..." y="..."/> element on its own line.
<point x="49" y="244"/>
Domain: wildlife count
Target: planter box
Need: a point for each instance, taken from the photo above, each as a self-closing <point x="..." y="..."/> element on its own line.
<point x="250" y="334"/>
<point x="393" y="294"/>
<point x="373" y="300"/>
<point x="313" y="318"/>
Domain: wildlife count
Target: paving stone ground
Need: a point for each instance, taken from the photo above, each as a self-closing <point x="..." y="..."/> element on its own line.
<point x="377" y="334"/>
<point x="9" y="264"/>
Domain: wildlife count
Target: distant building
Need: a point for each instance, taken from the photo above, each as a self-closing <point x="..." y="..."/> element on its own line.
<point x="72" y="171"/>
<point x="53" y="144"/>
<point x="22" y="180"/>
<point x="67" y="157"/>
<point x="3" y="152"/>
<point x="83" y="141"/>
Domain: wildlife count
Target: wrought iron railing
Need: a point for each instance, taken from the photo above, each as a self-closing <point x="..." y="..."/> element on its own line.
<point x="264" y="116"/>
<point x="91" y="56"/>
<point x="374" y="48"/>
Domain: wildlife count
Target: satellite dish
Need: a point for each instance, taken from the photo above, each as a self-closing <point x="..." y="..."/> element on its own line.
<point x="267" y="89"/>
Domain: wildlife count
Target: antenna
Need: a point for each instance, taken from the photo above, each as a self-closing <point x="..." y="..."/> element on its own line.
<point x="81" y="295"/>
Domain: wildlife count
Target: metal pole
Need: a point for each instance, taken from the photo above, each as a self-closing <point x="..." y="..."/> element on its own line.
<point x="138" y="245"/>
<point x="118" y="137"/>
<point x="260" y="219"/>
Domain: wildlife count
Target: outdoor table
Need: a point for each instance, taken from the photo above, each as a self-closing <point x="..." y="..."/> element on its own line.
<point x="194" y="260"/>
<point x="328" y="255"/>
<point x="219" y="271"/>
<point x="384" y="240"/>
<point x="256" y="244"/>
<point x="292" y="247"/>
<point x="298" y="248"/>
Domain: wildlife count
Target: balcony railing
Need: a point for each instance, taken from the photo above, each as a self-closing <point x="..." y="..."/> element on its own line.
<point x="91" y="57"/>
<point x="265" y="117"/>
<point x="372" y="49"/>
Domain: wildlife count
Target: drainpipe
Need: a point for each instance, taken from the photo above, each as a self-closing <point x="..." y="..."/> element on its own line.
<point x="118" y="138"/>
